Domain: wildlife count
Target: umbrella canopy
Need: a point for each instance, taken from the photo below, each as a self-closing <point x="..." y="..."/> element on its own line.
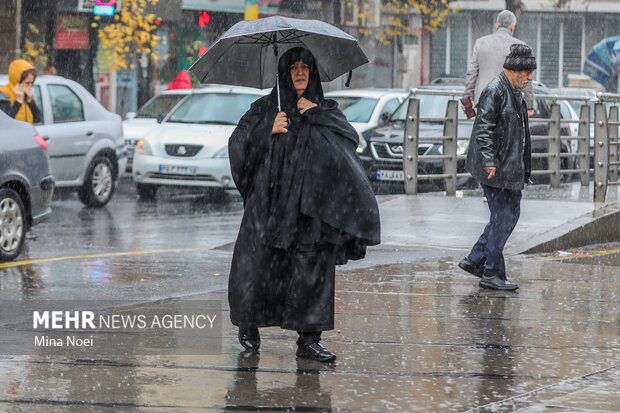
<point x="603" y="62"/>
<point x="247" y="54"/>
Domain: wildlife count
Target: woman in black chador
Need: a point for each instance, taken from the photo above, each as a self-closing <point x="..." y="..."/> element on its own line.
<point x="308" y="207"/>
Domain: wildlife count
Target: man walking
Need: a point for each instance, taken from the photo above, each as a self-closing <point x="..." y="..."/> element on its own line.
<point x="488" y="57"/>
<point x="499" y="158"/>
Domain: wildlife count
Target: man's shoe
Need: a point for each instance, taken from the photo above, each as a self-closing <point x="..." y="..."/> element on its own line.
<point x="496" y="283"/>
<point x="468" y="265"/>
<point x="249" y="338"/>
<point x="316" y="352"/>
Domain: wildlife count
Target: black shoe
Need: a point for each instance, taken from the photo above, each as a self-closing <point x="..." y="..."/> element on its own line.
<point x="497" y="283"/>
<point x="249" y="338"/>
<point x="468" y="265"/>
<point x="316" y="352"/>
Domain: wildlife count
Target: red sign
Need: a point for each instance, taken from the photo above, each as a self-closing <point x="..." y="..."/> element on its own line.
<point x="72" y="32"/>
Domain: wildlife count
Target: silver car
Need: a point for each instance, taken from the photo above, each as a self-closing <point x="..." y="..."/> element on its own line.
<point x="26" y="184"/>
<point x="85" y="141"/>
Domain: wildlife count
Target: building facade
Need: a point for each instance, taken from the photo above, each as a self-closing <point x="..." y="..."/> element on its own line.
<point x="560" y="38"/>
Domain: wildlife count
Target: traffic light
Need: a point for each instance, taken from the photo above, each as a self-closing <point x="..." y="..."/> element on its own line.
<point x="203" y="19"/>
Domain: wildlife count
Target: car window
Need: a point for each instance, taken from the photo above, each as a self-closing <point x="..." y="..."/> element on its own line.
<point x="66" y="105"/>
<point x="565" y="111"/>
<point x="390" y="106"/>
<point x="356" y="109"/>
<point x="540" y="109"/>
<point x="431" y="106"/>
<point x="159" y="105"/>
<point x="216" y="108"/>
<point x="36" y="95"/>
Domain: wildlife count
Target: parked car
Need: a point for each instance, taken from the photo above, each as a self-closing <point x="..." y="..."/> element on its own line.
<point x="137" y="124"/>
<point x="85" y="141"/>
<point x="367" y="108"/>
<point x="190" y="148"/>
<point x="576" y="92"/>
<point x="383" y="157"/>
<point x="26" y="184"/>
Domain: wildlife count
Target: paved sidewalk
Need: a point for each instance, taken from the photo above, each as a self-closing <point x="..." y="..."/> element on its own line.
<point x="413" y="334"/>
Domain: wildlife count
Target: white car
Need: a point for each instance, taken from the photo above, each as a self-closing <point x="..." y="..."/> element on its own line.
<point x="137" y="124"/>
<point x="366" y="108"/>
<point x="86" y="143"/>
<point x="190" y="148"/>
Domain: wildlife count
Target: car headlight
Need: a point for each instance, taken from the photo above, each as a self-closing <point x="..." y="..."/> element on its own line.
<point x="221" y="153"/>
<point x="461" y="147"/>
<point x="143" y="147"/>
<point x="363" y="144"/>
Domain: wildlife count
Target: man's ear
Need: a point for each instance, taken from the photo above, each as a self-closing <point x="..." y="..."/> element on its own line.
<point x="512" y="28"/>
<point x="496" y="27"/>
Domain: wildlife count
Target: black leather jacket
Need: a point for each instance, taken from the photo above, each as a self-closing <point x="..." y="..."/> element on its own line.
<point x="500" y="137"/>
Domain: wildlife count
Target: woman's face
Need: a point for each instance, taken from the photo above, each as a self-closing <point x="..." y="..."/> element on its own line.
<point x="300" y="73"/>
<point x="28" y="81"/>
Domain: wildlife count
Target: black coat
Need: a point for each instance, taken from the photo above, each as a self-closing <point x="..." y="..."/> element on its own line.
<point x="500" y="137"/>
<point x="302" y="190"/>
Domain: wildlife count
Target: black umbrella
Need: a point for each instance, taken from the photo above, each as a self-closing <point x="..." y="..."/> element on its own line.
<point x="247" y="54"/>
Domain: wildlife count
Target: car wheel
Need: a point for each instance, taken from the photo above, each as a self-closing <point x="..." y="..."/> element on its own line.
<point x="146" y="192"/>
<point x="12" y="224"/>
<point x="99" y="184"/>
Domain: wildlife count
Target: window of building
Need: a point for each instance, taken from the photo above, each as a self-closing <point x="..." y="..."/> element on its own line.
<point x="450" y="50"/>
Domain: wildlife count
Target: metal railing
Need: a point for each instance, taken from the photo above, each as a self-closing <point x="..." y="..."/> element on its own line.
<point x="606" y="165"/>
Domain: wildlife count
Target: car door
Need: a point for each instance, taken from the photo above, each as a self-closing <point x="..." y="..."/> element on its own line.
<point x="66" y="132"/>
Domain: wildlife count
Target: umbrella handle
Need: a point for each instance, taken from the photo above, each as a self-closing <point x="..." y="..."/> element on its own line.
<point x="278" y="88"/>
<point x="275" y="52"/>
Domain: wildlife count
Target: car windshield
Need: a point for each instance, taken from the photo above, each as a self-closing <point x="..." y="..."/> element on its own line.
<point x="356" y="109"/>
<point x="431" y="106"/>
<point x="159" y="105"/>
<point x="217" y="108"/>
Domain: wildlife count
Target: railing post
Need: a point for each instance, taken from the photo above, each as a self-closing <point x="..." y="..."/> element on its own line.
<point x="583" y="145"/>
<point x="450" y="129"/>
<point x="410" y="147"/>
<point x="612" y="130"/>
<point x="601" y="152"/>
<point x="555" y="146"/>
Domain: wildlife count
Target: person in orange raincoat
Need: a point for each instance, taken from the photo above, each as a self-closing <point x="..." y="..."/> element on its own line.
<point x="16" y="97"/>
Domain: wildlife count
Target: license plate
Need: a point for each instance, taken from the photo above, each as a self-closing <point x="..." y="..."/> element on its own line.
<point x="390" y="176"/>
<point x="177" y="169"/>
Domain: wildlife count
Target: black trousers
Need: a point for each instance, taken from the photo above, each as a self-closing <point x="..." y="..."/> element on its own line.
<point x="505" y="207"/>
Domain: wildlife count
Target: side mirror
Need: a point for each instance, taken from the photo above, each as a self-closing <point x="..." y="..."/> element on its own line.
<point x="160" y="117"/>
<point x="130" y="115"/>
<point x="385" y="118"/>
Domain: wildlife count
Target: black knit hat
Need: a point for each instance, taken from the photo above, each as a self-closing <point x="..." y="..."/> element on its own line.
<point x="520" y="58"/>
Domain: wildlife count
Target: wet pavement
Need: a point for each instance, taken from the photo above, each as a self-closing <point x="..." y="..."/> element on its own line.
<point x="413" y="332"/>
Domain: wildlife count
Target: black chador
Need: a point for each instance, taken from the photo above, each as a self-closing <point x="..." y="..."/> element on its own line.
<point x="308" y="207"/>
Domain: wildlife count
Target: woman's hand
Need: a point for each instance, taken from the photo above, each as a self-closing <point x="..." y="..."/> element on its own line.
<point x="304" y="104"/>
<point x="280" y="124"/>
<point x="19" y="93"/>
<point x="28" y="92"/>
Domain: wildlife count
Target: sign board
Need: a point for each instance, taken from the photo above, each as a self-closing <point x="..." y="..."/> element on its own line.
<point x="231" y="6"/>
<point x="89" y="5"/>
<point x="72" y="32"/>
<point x="99" y="10"/>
